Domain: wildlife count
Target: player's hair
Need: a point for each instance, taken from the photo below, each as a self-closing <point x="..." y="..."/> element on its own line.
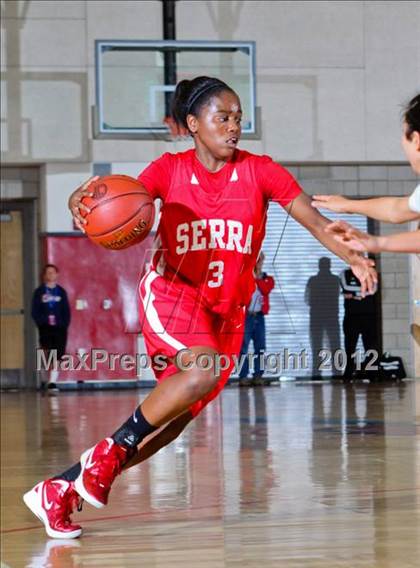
<point x="44" y="270"/>
<point x="191" y="96"/>
<point x="411" y="116"/>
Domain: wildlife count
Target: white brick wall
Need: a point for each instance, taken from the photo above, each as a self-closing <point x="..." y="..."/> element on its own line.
<point x="395" y="278"/>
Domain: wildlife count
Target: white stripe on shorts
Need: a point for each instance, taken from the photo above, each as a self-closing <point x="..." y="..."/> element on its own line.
<point x="152" y="315"/>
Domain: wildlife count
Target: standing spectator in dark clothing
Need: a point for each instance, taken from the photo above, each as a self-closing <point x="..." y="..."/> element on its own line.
<point x="359" y="319"/>
<point x="255" y="325"/>
<point x="51" y="313"/>
<point x="322" y="296"/>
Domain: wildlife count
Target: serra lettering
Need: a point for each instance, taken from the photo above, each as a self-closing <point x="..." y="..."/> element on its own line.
<point x="204" y="234"/>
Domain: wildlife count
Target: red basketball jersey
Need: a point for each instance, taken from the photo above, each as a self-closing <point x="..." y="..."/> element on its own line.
<point x="212" y="224"/>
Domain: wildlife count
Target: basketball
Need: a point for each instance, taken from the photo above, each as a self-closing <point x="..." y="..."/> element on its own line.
<point x="121" y="212"/>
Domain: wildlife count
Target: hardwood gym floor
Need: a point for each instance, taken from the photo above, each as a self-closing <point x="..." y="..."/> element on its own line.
<point x="296" y="476"/>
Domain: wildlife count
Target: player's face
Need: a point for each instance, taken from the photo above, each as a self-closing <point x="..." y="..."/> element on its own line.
<point x="217" y="128"/>
<point x="411" y="147"/>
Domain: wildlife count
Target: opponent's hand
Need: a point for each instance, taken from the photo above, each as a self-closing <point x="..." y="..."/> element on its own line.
<point x="362" y="267"/>
<point x="75" y="203"/>
<point x="352" y="238"/>
<point x="336" y="203"/>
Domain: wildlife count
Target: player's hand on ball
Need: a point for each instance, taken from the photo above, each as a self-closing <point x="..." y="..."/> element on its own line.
<point x="76" y="205"/>
<point x="336" y="203"/>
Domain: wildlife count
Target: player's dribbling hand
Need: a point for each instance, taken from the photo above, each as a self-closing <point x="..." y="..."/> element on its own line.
<point x="336" y="203"/>
<point x="75" y="203"/>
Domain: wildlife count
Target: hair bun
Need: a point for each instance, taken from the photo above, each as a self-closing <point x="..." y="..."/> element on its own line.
<point x="191" y="95"/>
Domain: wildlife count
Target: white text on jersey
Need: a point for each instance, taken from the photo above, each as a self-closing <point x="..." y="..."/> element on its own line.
<point x="205" y="234"/>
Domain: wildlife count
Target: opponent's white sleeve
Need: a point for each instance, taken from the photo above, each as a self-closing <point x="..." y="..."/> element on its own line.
<point x="414" y="200"/>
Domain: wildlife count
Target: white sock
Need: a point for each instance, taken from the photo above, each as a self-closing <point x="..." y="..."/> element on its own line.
<point x="53" y="376"/>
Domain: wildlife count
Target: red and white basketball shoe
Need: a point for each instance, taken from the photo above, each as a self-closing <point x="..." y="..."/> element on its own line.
<point x="53" y="501"/>
<point x="100" y="466"/>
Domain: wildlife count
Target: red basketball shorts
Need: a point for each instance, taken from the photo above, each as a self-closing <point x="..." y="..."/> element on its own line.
<point x="173" y="318"/>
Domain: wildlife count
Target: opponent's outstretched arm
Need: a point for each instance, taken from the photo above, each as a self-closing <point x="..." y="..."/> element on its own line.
<point x="387" y="209"/>
<point x="357" y="240"/>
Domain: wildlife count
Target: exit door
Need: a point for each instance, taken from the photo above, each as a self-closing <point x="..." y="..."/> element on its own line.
<point x="16" y="256"/>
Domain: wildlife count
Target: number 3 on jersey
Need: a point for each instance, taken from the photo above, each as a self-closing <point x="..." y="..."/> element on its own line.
<point x="216" y="272"/>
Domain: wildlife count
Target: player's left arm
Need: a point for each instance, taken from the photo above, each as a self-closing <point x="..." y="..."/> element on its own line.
<point x="302" y="211"/>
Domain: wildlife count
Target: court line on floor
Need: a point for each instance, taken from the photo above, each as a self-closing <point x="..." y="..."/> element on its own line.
<point x="166" y="512"/>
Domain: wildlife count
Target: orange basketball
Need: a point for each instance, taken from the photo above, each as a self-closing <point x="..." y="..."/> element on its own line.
<point x="121" y="212"/>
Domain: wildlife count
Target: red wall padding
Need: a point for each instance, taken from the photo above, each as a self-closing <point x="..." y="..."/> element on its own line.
<point x="91" y="274"/>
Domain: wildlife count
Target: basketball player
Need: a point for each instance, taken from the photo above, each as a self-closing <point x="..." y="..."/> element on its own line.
<point x="388" y="209"/>
<point x="193" y="298"/>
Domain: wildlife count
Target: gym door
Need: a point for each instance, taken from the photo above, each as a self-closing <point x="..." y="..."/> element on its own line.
<point x="16" y="256"/>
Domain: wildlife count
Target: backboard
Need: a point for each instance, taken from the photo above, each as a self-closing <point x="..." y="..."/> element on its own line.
<point x="135" y="81"/>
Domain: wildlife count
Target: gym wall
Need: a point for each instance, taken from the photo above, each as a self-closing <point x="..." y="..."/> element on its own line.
<point x="331" y="79"/>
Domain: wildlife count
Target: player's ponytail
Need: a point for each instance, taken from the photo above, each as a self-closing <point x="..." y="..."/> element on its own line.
<point x="411" y="116"/>
<point x="191" y="96"/>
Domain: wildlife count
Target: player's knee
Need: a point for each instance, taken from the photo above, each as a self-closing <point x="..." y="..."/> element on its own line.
<point x="199" y="364"/>
<point x="201" y="382"/>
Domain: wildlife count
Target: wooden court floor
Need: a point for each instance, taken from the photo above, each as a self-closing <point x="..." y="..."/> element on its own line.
<point x="296" y="476"/>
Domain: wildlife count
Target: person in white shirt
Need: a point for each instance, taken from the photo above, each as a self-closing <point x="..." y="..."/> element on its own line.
<point x="387" y="209"/>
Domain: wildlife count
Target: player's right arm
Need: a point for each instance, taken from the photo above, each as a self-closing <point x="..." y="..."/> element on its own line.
<point x="388" y="209"/>
<point x="155" y="179"/>
<point x="280" y="186"/>
<point x="76" y="205"/>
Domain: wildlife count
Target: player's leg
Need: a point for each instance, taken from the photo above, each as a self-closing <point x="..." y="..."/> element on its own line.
<point x="54" y="500"/>
<point x="99" y="466"/>
<point x="230" y="338"/>
<point x="179" y="391"/>
<point x="63" y="498"/>
<point x="160" y="439"/>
